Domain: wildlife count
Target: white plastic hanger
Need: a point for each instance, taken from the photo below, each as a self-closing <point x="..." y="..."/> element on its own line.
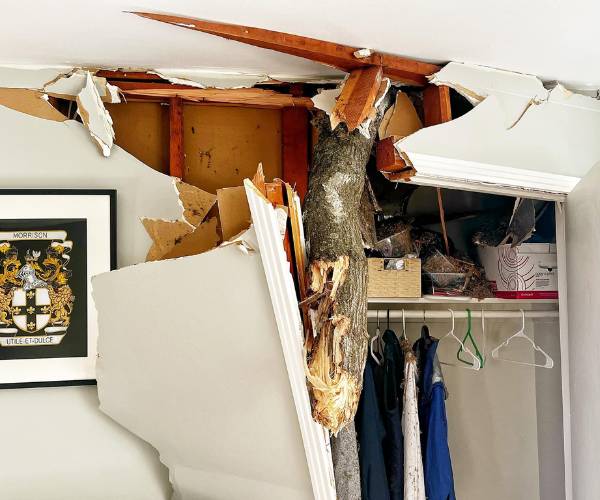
<point x="404" y="326"/>
<point x="521" y="333"/>
<point x="376" y="338"/>
<point x="476" y="364"/>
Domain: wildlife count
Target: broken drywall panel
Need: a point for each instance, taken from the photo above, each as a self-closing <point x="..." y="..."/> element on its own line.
<point x="515" y="92"/>
<point x="205" y="383"/>
<point x="203" y="238"/>
<point x="164" y="234"/>
<point x="32" y="102"/>
<point x="43" y="153"/>
<point x="210" y="78"/>
<point x="401" y="119"/>
<point x="195" y="202"/>
<point x="266" y="223"/>
<point x="95" y="116"/>
<point x="551" y="147"/>
<point x="35" y="78"/>
<point x="70" y="85"/>
<point x="325" y="101"/>
<point x="234" y="212"/>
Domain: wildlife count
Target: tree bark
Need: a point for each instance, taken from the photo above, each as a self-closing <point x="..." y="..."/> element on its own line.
<point x="337" y="273"/>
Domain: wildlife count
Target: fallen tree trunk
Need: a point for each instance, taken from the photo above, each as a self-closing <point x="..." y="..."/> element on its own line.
<point x="337" y="272"/>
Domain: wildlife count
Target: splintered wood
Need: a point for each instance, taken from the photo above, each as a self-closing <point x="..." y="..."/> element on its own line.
<point x="336" y="306"/>
<point x="355" y="103"/>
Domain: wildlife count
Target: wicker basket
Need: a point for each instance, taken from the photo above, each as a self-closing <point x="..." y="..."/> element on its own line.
<point x="389" y="283"/>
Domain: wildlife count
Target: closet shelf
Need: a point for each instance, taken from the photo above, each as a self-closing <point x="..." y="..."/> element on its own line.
<point x="431" y="299"/>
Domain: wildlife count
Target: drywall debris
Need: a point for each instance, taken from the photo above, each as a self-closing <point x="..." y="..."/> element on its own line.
<point x="401" y="119"/>
<point x="34" y="78"/>
<point x="220" y="79"/>
<point x="234" y="211"/>
<point x="32" y="102"/>
<point x="195" y="202"/>
<point x="362" y="53"/>
<point x="165" y="234"/>
<point x="520" y="135"/>
<point x="215" y="360"/>
<point x="203" y="238"/>
<point x="325" y="101"/>
<point x="69" y="86"/>
<point x="95" y="116"/>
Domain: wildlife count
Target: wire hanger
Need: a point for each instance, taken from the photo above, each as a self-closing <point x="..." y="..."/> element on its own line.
<point x="376" y="339"/>
<point x="469" y="337"/>
<point x="475" y="364"/>
<point x="549" y="363"/>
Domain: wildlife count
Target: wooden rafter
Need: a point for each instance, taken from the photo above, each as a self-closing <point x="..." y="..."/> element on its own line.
<point x="357" y="98"/>
<point x="241" y="97"/>
<point x="333" y="54"/>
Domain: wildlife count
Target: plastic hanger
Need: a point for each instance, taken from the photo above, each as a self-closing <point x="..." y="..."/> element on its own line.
<point x="549" y="363"/>
<point x="469" y="337"/>
<point x="476" y="363"/>
<point x="403" y="326"/>
<point x="377" y="338"/>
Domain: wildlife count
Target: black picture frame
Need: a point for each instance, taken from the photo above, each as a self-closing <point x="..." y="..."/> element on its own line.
<point x="110" y="259"/>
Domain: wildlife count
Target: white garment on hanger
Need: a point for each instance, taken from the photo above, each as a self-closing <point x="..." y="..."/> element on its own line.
<point x="414" y="481"/>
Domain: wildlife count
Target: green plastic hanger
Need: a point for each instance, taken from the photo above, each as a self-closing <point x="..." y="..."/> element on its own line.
<point x="469" y="337"/>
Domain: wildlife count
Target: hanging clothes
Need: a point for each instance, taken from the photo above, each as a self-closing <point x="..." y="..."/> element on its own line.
<point x="391" y="406"/>
<point x="414" y="483"/>
<point x="439" y="481"/>
<point x="371" y="433"/>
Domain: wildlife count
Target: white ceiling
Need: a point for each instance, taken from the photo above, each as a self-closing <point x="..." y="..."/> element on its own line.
<point x="551" y="39"/>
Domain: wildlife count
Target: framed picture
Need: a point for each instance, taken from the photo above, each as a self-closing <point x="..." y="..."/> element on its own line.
<point x="51" y="243"/>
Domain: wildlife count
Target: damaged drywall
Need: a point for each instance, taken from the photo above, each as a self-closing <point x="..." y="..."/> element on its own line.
<point x="520" y="135"/>
<point x="54" y="154"/>
<point x="228" y="379"/>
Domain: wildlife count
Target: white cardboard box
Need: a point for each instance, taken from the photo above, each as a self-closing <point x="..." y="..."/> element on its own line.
<point x="528" y="271"/>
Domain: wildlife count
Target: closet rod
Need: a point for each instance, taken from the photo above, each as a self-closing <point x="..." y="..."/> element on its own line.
<point x="417" y="314"/>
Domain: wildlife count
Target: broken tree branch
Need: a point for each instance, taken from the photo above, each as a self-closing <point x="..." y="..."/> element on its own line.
<point x="358" y="95"/>
<point x="338" y="319"/>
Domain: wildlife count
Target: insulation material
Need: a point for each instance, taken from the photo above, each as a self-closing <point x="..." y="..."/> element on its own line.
<point x="52" y="154"/>
<point x="222" y="371"/>
<point x="32" y="102"/>
<point x="94" y="116"/>
<point x="202" y="239"/>
<point x="234" y="211"/>
<point x="520" y="136"/>
<point x="401" y="119"/>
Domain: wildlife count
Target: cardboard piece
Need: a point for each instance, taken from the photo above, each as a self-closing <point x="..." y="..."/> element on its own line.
<point x="234" y="211"/>
<point x="203" y="382"/>
<point x="203" y="238"/>
<point x="195" y="202"/>
<point x="401" y="119"/>
<point x="164" y="234"/>
<point x="32" y="102"/>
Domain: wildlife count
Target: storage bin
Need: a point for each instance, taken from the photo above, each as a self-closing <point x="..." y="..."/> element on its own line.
<point x="394" y="277"/>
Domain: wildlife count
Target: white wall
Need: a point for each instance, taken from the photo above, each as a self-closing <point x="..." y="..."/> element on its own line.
<point x="494" y="416"/>
<point x="56" y="445"/>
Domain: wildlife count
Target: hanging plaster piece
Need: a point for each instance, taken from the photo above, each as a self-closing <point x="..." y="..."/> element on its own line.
<point x="165" y="234"/>
<point x="195" y="202"/>
<point x="34" y="78"/>
<point x="70" y="86"/>
<point x="210" y="78"/>
<point x="95" y="116"/>
<point x="325" y="101"/>
<point x="544" y="150"/>
<point x="31" y="102"/>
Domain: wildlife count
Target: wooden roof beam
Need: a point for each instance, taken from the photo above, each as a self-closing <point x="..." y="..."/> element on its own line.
<point x="339" y="56"/>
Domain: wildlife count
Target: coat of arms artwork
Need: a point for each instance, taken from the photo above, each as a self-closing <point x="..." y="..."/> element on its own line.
<point x="51" y="243"/>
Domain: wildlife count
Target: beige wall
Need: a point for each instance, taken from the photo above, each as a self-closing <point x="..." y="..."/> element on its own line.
<point x="494" y="416"/>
